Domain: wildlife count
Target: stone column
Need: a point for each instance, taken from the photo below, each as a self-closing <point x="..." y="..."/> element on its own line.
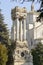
<point x="20" y="30"/>
<point x="14" y="33"/>
<point x="17" y="30"/>
<point x="24" y="28"/>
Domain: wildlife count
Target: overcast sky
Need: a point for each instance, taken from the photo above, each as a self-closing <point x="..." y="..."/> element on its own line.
<point x="7" y="5"/>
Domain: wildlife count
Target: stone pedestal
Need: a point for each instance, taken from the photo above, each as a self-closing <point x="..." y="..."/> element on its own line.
<point x="22" y="54"/>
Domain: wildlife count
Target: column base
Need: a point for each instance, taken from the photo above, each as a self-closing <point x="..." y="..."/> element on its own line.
<point x="23" y="63"/>
<point x="18" y="41"/>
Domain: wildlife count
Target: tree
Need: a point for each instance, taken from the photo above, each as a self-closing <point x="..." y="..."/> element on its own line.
<point x="11" y="49"/>
<point x="38" y="54"/>
<point x="3" y="31"/>
<point x="3" y="54"/>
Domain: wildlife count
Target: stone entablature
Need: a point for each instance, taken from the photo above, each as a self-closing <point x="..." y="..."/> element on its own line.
<point x="18" y="12"/>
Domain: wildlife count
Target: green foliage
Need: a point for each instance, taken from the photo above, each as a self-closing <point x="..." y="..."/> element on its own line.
<point x="3" y="31"/>
<point x="3" y="54"/>
<point x="13" y="44"/>
<point x="38" y="55"/>
<point x="11" y="49"/>
<point x="4" y="40"/>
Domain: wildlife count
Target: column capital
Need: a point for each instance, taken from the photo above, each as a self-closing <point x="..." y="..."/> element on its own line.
<point x="17" y="14"/>
<point x="20" y="18"/>
<point x="24" y="17"/>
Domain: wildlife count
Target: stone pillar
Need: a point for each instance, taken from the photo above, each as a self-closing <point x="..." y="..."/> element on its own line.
<point x="24" y="28"/>
<point x="20" y="30"/>
<point x="17" y="30"/>
<point x="14" y="33"/>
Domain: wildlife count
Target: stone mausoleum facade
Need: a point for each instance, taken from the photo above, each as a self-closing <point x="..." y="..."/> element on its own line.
<point x="27" y="32"/>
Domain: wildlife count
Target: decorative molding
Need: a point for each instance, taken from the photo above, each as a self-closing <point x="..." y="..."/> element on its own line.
<point x="18" y="12"/>
<point x="34" y="12"/>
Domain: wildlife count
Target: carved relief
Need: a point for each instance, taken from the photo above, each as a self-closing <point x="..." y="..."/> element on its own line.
<point x="18" y="12"/>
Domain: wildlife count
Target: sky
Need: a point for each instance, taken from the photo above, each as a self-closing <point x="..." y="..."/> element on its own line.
<point x="8" y="5"/>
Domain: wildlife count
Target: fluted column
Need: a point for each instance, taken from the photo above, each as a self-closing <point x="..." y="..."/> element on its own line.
<point x="24" y="29"/>
<point x="21" y="30"/>
<point x="17" y="30"/>
<point x="14" y="33"/>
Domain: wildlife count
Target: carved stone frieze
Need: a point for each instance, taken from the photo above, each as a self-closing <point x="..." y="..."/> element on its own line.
<point x="18" y="12"/>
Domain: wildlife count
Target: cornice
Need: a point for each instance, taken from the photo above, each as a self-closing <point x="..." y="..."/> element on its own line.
<point x="33" y="12"/>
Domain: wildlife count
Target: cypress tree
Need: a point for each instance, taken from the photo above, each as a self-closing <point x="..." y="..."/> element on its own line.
<point x="4" y="37"/>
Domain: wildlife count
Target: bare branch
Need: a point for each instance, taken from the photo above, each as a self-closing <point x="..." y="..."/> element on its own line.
<point x="22" y="1"/>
